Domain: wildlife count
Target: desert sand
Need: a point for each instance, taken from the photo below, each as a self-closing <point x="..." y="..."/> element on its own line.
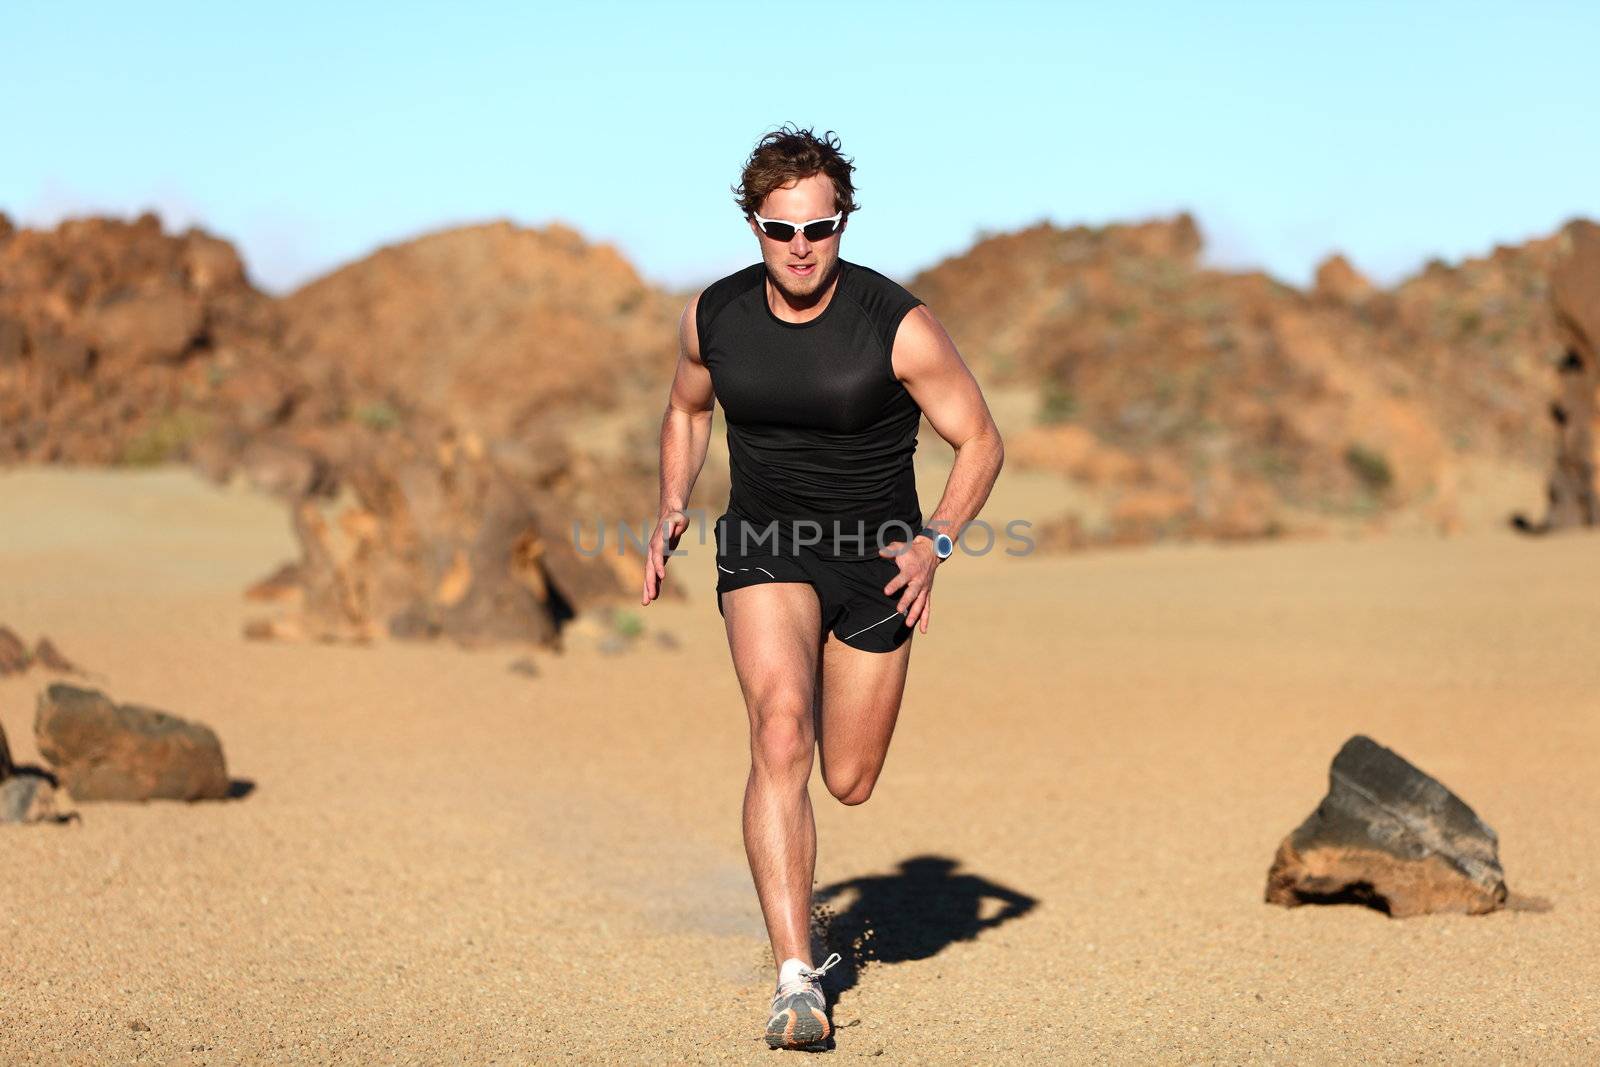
<point x="443" y="860"/>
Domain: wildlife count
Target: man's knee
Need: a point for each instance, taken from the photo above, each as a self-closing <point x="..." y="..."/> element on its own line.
<point x="852" y="786"/>
<point x="782" y="736"/>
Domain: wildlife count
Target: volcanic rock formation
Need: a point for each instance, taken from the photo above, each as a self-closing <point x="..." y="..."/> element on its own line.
<point x="106" y="751"/>
<point x="1204" y="403"/>
<point x="1573" y="493"/>
<point x="514" y="380"/>
<point x="122" y="344"/>
<point x="1186" y="402"/>
<point x="441" y="541"/>
<point x="1388" y="836"/>
<point x="498" y="329"/>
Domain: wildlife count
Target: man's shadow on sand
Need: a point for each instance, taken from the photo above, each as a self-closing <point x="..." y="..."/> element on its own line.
<point x="909" y="915"/>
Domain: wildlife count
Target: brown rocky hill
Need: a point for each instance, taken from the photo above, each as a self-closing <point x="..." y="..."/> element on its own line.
<point x="1190" y="402"/>
<point x="498" y="327"/>
<point x="519" y="376"/>
<point x="551" y="349"/>
<point x="120" y="343"/>
<point x="435" y="415"/>
<point x="1200" y="402"/>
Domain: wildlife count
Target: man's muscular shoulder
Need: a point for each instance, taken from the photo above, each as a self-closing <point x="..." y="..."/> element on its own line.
<point x="922" y="347"/>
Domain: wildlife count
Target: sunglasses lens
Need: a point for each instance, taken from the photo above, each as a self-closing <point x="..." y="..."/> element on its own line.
<point x="818" y="231"/>
<point x="778" y="231"/>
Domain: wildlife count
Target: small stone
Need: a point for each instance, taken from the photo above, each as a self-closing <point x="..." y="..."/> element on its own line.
<point x="413" y="624"/>
<point x="589" y="624"/>
<point x="273" y="630"/>
<point x="14" y="658"/>
<point x="525" y="667"/>
<point x="666" y="640"/>
<point x="1391" y="837"/>
<point x="138" y="1026"/>
<point x="106" y="751"/>
<point x="281" y="585"/>
<point x="258" y="630"/>
<point x="27" y="798"/>
<point x="48" y="656"/>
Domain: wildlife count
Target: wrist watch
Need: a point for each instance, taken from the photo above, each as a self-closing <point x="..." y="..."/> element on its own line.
<point x="943" y="546"/>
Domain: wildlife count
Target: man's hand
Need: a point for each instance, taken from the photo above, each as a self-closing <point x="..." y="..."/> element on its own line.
<point x="669" y="528"/>
<point x="917" y="562"/>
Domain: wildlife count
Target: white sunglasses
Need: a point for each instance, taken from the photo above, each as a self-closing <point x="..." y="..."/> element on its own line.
<point x="814" y="229"/>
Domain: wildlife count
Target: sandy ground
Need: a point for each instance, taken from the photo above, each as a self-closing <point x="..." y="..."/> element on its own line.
<point x="445" y="861"/>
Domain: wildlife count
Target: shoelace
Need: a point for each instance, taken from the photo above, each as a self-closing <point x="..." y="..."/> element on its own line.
<point x="809" y="975"/>
<point x="820" y="971"/>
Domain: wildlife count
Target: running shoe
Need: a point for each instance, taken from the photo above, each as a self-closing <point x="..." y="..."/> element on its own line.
<point x="799" y="1010"/>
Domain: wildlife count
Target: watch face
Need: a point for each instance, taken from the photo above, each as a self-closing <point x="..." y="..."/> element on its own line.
<point x="943" y="546"/>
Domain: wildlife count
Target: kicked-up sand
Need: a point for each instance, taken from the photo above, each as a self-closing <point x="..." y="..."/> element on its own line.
<point x="443" y="860"/>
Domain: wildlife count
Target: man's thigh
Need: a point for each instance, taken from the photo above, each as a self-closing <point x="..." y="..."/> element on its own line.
<point x="861" y="694"/>
<point x="774" y="635"/>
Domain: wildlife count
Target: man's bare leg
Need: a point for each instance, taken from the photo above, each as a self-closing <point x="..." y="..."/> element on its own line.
<point x="773" y="634"/>
<point x="855" y="720"/>
<point x="799" y="691"/>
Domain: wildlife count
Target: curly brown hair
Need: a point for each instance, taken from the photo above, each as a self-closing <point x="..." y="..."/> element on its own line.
<point x="788" y="154"/>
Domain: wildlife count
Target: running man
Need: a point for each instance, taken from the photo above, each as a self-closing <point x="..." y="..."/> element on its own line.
<point x="825" y="566"/>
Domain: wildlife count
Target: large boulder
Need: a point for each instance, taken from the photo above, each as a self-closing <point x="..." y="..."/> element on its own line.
<point x="105" y="751"/>
<point x="1389" y="836"/>
<point x="442" y="541"/>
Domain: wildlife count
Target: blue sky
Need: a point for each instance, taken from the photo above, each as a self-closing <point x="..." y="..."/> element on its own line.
<point x="311" y="133"/>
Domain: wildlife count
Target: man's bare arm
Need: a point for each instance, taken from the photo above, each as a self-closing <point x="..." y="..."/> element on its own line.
<point x="933" y="372"/>
<point x="685" y="435"/>
<point x="927" y="363"/>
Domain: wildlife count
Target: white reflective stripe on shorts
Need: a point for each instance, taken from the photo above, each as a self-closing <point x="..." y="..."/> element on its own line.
<point x="864" y="629"/>
<point x="763" y="570"/>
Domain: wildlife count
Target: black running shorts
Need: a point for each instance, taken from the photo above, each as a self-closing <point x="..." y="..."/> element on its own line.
<point x="850" y="592"/>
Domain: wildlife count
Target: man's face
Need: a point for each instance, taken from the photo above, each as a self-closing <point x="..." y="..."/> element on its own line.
<point x="797" y="266"/>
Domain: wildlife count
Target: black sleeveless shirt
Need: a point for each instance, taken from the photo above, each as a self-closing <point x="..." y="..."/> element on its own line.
<point x="819" y="428"/>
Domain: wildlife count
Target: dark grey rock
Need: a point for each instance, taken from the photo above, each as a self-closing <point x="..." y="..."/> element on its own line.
<point x="1389" y="836"/>
<point x="27" y="798"/>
